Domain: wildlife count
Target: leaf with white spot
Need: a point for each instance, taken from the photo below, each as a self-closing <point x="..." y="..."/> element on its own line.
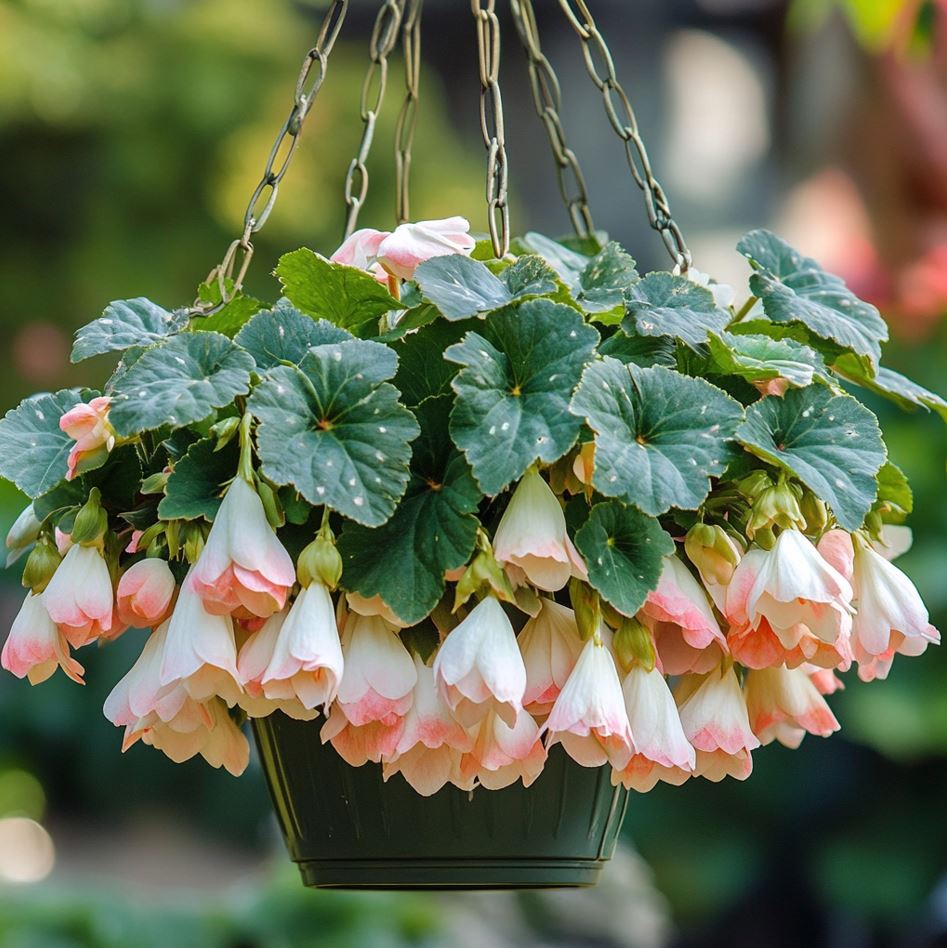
<point x="662" y="304"/>
<point x="518" y="373"/>
<point x="832" y="443"/>
<point x="759" y="358"/>
<point x="334" y="429"/>
<point x="126" y="323"/>
<point x="891" y="385"/>
<point x="179" y="382"/>
<point x="659" y="435"/>
<point x="284" y="334"/>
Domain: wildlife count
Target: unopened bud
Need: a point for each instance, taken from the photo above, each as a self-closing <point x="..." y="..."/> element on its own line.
<point x="633" y="645"/>
<point x="814" y="511"/>
<point x="754" y="484"/>
<point x="776" y="506"/>
<point x="271" y="505"/>
<point x="155" y="483"/>
<point x="587" y="607"/>
<point x="320" y="562"/>
<point x="24" y="531"/>
<point x="765" y="538"/>
<point x="193" y="537"/>
<point x="711" y="549"/>
<point x="91" y="521"/>
<point x="224" y="430"/>
<point x="43" y="561"/>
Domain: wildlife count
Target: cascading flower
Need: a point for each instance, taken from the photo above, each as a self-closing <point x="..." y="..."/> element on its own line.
<point x="662" y="752"/>
<point x="479" y="668"/>
<point x="79" y="597"/>
<point x="432" y="739"/>
<point x="531" y="540"/>
<point x="686" y="634"/>
<point x="784" y="705"/>
<point x="243" y="564"/>
<point x="589" y="717"/>
<point x="145" y="593"/>
<point x="295" y="659"/>
<point x="360" y="250"/>
<point x="714" y="717"/>
<point x="550" y="646"/>
<point x="409" y="245"/>
<point x="716" y="554"/>
<point x="373" y="606"/>
<point x="36" y="646"/>
<point x="501" y="754"/>
<point x="88" y="425"/>
<point x="200" y="652"/>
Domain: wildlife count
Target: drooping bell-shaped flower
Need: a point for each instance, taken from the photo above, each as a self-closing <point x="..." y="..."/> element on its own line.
<point x="432" y="738"/>
<point x="200" y="652"/>
<point x="589" y="717"/>
<point x="784" y="705"/>
<point x="35" y="646"/>
<point x="373" y="606"/>
<point x="501" y="754"/>
<point x="360" y="249"/>
<point x="79" y="597"/>
<point x="715" y="554"/>
<point x="531" y="540"/>
<point x="243" y="564"/>
<point x="409" y="245"/>
<point x="479" y="668"/>
<point x="679" y="615"/>
<point x="550" y="646"/>
<point x="714" y="717"/>
<point x="794" y="588"/>
<point x="145" y="593"/>
<point x="359" y="744"/>
<point x="379" y="676"/>
<point x="88" y="424"/>
<point x="662" y="752"/>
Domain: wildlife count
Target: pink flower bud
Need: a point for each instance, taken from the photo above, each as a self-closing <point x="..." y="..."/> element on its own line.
<point x="89" y="426"/>
<point x="359" y="250"/>
<point x="35" y="647"/>
<point x="145" y="592"/>
<point x="409" y="245"/>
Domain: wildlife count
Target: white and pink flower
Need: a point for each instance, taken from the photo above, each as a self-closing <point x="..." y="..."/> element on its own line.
<point x="715" y="721"/>
<point x="784" y="704"/>
<point x="531" y="540"/>
<point x="243" y="564"/>
<point x="479" y="668"/>
<point x="79" y="597"/>
<point x="410" y="245"/>
<point x="359" y="744"/>
<point x="501" y="754"/>
<point x="589" y="717"/>
<point x="360" y="250"/>
<point x="662" y="751"/>
<point x="35" y="646"/>
<point x="550" y="646"/>
<point x="145" y="594"/>
<point x="88" y="424"/>
<point x="679" y="615"/>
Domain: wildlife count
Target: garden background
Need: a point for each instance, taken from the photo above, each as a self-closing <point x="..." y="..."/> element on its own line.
<point x="131" y="133"/>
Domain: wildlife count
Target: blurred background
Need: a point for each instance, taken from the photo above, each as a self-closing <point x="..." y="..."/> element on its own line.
<point x="131" y="133"/>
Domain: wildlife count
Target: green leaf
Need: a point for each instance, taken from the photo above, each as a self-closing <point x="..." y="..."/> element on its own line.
<point x="284" y="334"/>
<point x="230" y="318"/>
<point x="642" y="350"/>
<point x="423" y="371"/>
<point x="126" y="323"/>
<point x="795" y="289"/>
<point x="623" y="550"/>
<point x="33" y="449"/>
<point x="566" y="262"/>
<point x="662" y="304"/>
<point x="194" y="487"/>
<point x="659" y="435"/>
<point x="514" y="388"/>
<point x="433" y="530"/>
<point x="894" y="493"/>
<point x="605" y="282"/>
<point x="179" y="382"/>
<point x="891" y="385"/>
<point x="761" y="359"/>
<point x="832" y="443"/>
<point x="348" y="297"/>
<point x="461" y="287"/>
<point x="334" y="429"/>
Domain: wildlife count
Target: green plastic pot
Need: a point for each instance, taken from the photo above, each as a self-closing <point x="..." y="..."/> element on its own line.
<point x="347" y="828"/>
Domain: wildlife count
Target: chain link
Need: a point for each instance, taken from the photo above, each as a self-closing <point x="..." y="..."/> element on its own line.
<point x="547" y="99"/>
<point x="491" y="123"/>
<point x="408" y="116"/>
<point x="601" y="69"/>
<point x="230" y="272"/>
<point x="382" y="42"/>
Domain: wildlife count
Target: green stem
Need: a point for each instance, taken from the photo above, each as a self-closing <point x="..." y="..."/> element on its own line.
<point x="743" y="310"/>
<point x="245" y="470"/>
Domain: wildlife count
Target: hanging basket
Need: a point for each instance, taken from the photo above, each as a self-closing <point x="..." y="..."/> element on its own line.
<point x="345" y="827"/>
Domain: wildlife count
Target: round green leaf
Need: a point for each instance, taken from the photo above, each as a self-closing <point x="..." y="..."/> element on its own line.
<point x="179" y="382"/>
<point x="433" y="529"/>
<point x="514" y="388"/>
<point x="659" y="435"/>
<point x="623" y="550"/>
<point x="759" y="358"/>
<point x="126" y="323"/>
<point x="832" y="443"/>
<point x="334" y="429"/>
<point x="663" y="304"/>
<point x="194" y="487"/>
<point x="284" y="334"/>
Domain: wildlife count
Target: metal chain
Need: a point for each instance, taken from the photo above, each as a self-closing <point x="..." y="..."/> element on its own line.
<point x="408" y="116"/>
<point x="601" y="69"/>
<point x="230" y="272"/>
<point x="382" y="42"/>
<point x="547" y="98"/>
<point x="491" y="123"/>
